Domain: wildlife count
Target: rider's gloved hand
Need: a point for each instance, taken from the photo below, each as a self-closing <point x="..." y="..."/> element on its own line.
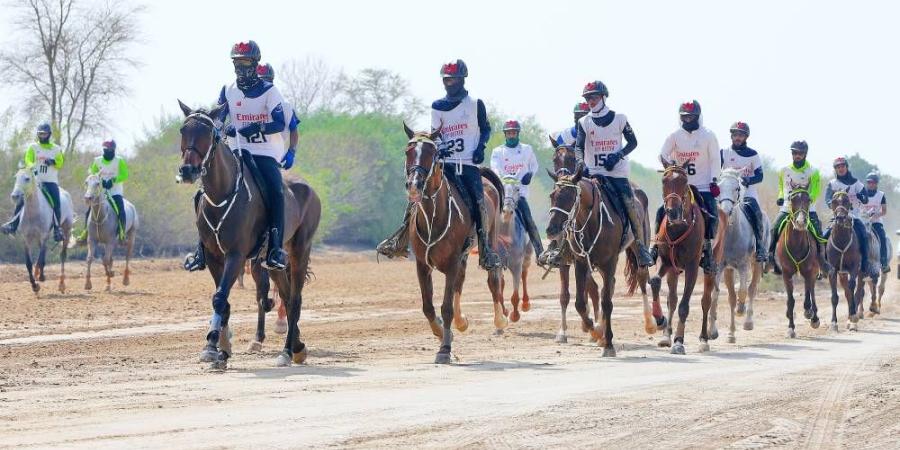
<point x="50" y="162"/>
<point x="107" y="184"/>
<point x="443" y="153"/>
<point x="611" y="160"/>
<point x="862" y="197"/>
<point x="478" y="156"/>
<point x="526" y="180"/>
<point x="250" y="129"/>
<point x="288" y="160"/>
<point x="780" y="202"/>
<point x="714" y="189"/>
<point x="229" y="130"/>
<point x="745" y="181"/>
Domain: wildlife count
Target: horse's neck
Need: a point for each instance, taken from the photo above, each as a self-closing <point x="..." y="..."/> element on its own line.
<point x="436" y="206"/>
<point x="35" y="203"/>
<point x="221" y="173"/>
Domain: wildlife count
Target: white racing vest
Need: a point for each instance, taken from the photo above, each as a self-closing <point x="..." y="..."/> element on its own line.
<point x="45" y="173"/>
<point x="836" y="186"/>
<point x="243" y="111"/>
<point x="459" y="130"/>
<point x="515" y="162"/>
<point x="599" y="142"/>
<point x="700" y="149"/>
<point x="873" y="207"/>
<point x="109" y="170"/>
<point x="746" y="164"/>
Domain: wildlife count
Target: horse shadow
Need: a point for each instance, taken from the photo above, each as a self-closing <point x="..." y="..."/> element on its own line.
<point x="884" y="332"/>
<point x="536" y="334"/>
<point x="274" y="373"/>
<point x="500" y="366"/>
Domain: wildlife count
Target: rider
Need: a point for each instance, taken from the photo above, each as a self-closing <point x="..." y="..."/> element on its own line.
<point x="113" y="171"/>
<point x="267" y="73"/>
<point x="695" y="144"/>
<point x="598" y="145"/>
<point x="465" y="131"/>
<point x="799" y="173"/>
<point x="49" y="158"/>
<point x="254" y="107"/>
<point x="875" y="210"/>
<point x="567" y="137"/>
<point x="516" y="159"/>
<point x="745" y="159"/>
<point x="846" y="182"/>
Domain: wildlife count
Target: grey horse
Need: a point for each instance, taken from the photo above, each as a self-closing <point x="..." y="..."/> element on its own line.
<point x="103" y="231"/>
<point x="875" y="280"/>
<point x="35" y="225"/>
<point x="515" y="248"/>
<point x="738" y="254"/>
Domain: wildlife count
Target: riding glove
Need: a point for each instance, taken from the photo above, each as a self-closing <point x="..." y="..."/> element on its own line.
<point x="107" y="184"/>
<point x="288" y="160"/>
<point x="526" y="180"/>
<point x="250" y="129"/>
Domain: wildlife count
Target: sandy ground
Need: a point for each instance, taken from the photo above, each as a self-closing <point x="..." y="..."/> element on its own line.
<point x="97" y="370"/>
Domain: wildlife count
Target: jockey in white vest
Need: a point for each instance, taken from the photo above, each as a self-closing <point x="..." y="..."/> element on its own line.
<point x="515" y="159"/>
<point x="567" y="136"/>
<point x="875" y="210"/>
<point x="845" y="181"/>
<point x="292" y="122"/>
<point x="741" y="157"/>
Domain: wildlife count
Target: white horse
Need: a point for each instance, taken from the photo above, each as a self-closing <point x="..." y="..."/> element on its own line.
<point x="739" y="253"/>
<point x="515" y="248"/>
<point x="876" y="283"/>
<point x="36" y="224"/>
<point x="103" y="230"/>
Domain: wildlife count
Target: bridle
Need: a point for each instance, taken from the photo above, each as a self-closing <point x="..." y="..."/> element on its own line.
<point x="563" y="171"/>
<point x="841" y="218"/>
<point x="682" y="197"/>
<point x="573" y="233"/>
<point x="792" y="219"/>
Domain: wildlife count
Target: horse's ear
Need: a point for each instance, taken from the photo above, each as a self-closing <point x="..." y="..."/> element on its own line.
<point x="685" y="164"/>
<point x="409" y="133"/>
<point x="184" y="108"/>
<point x="435" y="134"/>
<point x="552" y="175"/>
<point x="664" y="163"/>
<point x="579" y="171"/>
<point x="552" y="142"/>
<point x="214" y="113"/>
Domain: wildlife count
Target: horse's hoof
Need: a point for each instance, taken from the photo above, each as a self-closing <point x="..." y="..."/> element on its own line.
<point x="791" y="334"/>
<point x="437" y="328"/>
<point x="596" y="333"/>
<point x="283" y="359"/>
<point x="808" y="314"/>
<point x="852" y="326"/>
<point x="561" y="338"/>
<point x="814" y="323"/>
<point x="526" y="305"/>
<point x="664" y="341"/>
<point x="88" y="286"/>
<point x="501" y="323"/>
<point x="442" y="358"/>
<point x="36" y="288"/>
<point x="281" y="326"/>
<point x="209" y="354"/>
<point x="254" y="347"/>
<point x="833" y="327"/>
<point x="740" y="309"/>
<point x="703" y="347"/>
<point x="462" y="324"/>
<point x="677" y="349"/>
<point x="714" y="334"/>
<point x="585" y="328"/>
<point x="498" y="332"/>
<point x="126" y="281"/>
<point x="748" y="326"/>
<point x="608" y="352"/>
<point x="108" y="288"/>
<point x="514" y="316"/>
<point x="300" y="357"/>
<point x="219" y="364"/>
<point x="731" y="339"/>
<point x="42" y="278"/>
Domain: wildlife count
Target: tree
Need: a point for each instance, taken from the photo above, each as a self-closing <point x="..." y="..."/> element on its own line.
<point x="71" y="62"/>
<point x="309" y="85"/>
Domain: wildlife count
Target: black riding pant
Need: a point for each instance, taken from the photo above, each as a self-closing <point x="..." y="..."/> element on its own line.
<point x="779" y="221"/>
<point x="52" y="190"/>
<point x="120" y="210"/>
<point x="754" y="214"/>
<point x="878" y="229"/>
<point x="469" y="181"/>
<point x="273" y="190"/>
<point x="524" y="212"/>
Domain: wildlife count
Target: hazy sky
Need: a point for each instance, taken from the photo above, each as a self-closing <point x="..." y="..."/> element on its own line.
<point x="823" y="71"/>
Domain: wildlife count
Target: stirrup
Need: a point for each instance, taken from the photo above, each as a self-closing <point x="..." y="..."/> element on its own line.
<point x="195" y="261"/>
<point x="644" y="257"/>
<point x="488" y="259"/>
<point x="57" y="234"/>
<point x="390" y="248"/>
<point x="275" y="260"/>
<point x="7" y="228"/>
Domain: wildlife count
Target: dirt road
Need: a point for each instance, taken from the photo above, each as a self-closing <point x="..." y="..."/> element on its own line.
<point x="96" y="370"/>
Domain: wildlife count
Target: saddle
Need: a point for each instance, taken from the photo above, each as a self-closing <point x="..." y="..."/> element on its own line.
<point x="261" y="246"/>
<point x="616" y="206"/>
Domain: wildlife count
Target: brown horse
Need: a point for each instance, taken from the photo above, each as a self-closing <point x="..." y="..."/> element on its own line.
<point x="680" y="243"/>
<point x="580" y="221"/>
<point x="442" y="234"/>
<point x="796" y="253"/>
<point x="844" y="255"/>
<point x="231" y="221"/>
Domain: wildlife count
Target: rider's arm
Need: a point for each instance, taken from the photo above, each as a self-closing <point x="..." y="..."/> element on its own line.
<point x="580" y="136"/>
<point x="274" y="103"/>
<point x="665" y="154"/>
<point x="436" y="125"/>
<point x="223" y="113"/>
<point x="861" y="193"/>
<point x="484" y="126"/>
<point x="814" y="186"/>
<point x="495" y="162"/>
<point x="630" y="139"/>
<point x="715" y="158"/>
<point x="781" y="185"/>
<point x="29" y="157"/>
<point x="883" y="211"/>
<point x="829" y="192"/>
<point x="293" y="128"/>
<point x="123" y="172"/>
<point x="757" y="177"/>
<point x="60" y="159"/>
<point x="532" y="162"/>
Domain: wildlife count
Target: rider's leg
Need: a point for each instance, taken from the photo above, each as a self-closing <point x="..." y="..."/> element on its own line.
<point x="773" y="240"/>
<point x="863" y="235"/>
<point x="397" y="244"/>
<point x="470" y="179"/>
<point x="120" y="215"/>
<point x="626" y="194"/>
<point x="197" y="261"/>
<point x="654" y="250"/>
<point x="878" y="229"/>
<point x="53" y="190"/>
<point x="712" y="225"/>
<point x="824" y="266"/>
<point x="13" y="224"/>
<point x="754" y="213"/>
<point x="525" y="213"/>
<point x="270" y="172"/>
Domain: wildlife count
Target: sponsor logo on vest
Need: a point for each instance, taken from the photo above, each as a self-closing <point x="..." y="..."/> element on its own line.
<point x="253" y="117"/>
<point x="687" y="155"/>
<point x="454" y="130"/>
<point x="605" y="145"/>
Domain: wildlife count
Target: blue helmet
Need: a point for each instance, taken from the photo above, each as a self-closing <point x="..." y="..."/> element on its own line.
<point x="44" y="128"/>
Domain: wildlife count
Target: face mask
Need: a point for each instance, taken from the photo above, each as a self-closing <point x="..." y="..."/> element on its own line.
<point x="246" y="76"/>
<point x="512" y="142"/>
<point x="600" y="105"/>
<point x="456" y="91"/>
<point x="43" y="139"/>
<point x="691" y="126"/>
<point x="109" y="154"/>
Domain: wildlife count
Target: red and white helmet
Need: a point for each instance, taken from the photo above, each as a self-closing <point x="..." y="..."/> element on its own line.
<point x="840" y="161"/>
<point x="512" y="124"/>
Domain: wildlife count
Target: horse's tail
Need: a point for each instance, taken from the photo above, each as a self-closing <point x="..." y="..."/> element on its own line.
<point x="631" y="270"/>
<point x="494" y="179"/>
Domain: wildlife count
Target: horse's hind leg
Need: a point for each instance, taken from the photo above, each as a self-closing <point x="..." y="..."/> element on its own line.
<point x="30" y="267"/>
<point x="561" y="337"/>
<point x="752" y="290"/>
<point x="495" y="278"/>
<point x="107" y="265"/>
<point x="443" y="355"/>
<point x="129" y="249"/>
<point x="582" y="275"/>
<point x="460" y="321"/>
<point x="62" y="263"/>
<point x="88" y="261"/>
<point x="263" y="304"/>
<point x="810" y="283"/>
<point x="593" y="291"/>
<point x="526" y="300"/>
<point x="299" y="268"/>
<point x="787" y="277"/>
<point x="41" y="262"/>
<point x="516" y="272"/>
<point x="733" y="305"/>
<point x="609" y="284"/>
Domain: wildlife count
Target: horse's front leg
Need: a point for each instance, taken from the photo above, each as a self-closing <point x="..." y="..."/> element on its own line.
<point x="853" y="315"/>
<point x="733" y="305"/>
<point x="219" y="335"/>
<point x="788" y="279"/>
<point x="663" y="322"/>
<point x="460" y="321"/>
<point x="107" y="264"/>
<point x="561" y="336"/>
<point x="516" y="272"/>
<point x="423" y="272"/>
<point x="752" y="291"/>
<point x="88" y="261"/>
<point x="264" y="304"/>
<point x="810" y="285"/>
<point x="835" y="299"/>
<point x="609" y="284"/>
<point x="581" y="276"/>
<point x="707" y="329"/>
<point x="526" y="300"/>
<point x="495" y="284"/>
<point x="443" y="355"/>
<point x="30" y="267"/>
<point x="593" y="291"/>
<point x="62" y="262"/>
<point x="129" y="250"/>
<point x="41" y="262"/>
<point x="684" y="306"/>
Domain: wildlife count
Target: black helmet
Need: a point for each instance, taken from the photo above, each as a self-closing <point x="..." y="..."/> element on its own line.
<point x="595" y="88"/>
<point x="456" y="69"/>
<point x="266" y="72"/>
<point x="247" y="49"/>
<point x="873" y="176"/>
<point x="740" y="127"/>
<point x="799" y="146"/>
<point x="691" y="108"/>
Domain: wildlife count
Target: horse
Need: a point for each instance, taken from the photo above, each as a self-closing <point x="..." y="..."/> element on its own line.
<point x="36" y="222"/>
<point x="231" y="222"/>
<point x="844" y="255"/>
<point x="736" y="252"/>
<point x="796" y="253"/>
<point x="580" y="220"/>
<point x="875" y="280"/>
<point x="515" y="247"/>
<point x="103" y="230"/>
<point x="441" y="234"/>
<point x="680" y="243"/>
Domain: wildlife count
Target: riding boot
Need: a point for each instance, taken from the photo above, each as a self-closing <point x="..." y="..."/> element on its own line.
<point x="13" y="224"/>
<point x="196" y="261"/>
<point x="824" y="266"/>
<point x="277" y="258"/>
<point x="524" y="212"/>
<point x="488" y="259"/>
<point x="397" y="244"/>
<point x="706" y="261"/>
<point x="654" y="250"/>
<point x="863" y="235"/>
<point x="644" y="258"/>
<point x="120" y="217"/>
<point x="756" y="219"/>
<point x="878" y="229"/>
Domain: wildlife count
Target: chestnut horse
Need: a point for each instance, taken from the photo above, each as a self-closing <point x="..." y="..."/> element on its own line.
<point x="796" y="253"/>
<point x="680" y="243"/>
<point x="844" y="255"/>
<point x="442" y="234"/>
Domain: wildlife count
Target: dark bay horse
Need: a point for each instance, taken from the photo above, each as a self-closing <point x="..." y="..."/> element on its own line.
<point x="442" y="234"/>
<point x="580" y="219"/>
<point x="844" y="255"/>
<point x="796" y="253"/>
<point x="680" y="243"/>
<point x="231" y="222"/>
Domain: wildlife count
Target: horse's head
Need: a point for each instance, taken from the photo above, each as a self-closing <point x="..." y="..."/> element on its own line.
<point x="24" y="184"/>
<point x="421" y="160"/>
<point x="732" y="191"/>
<point x="676" y="192"/>
<point x="564" y="159"/>
<point x="93" y="191"/>
<point x="840" y="206"/>
<point x="799" y="202"/>
<point x="199" y="136"/>
<point x="511" y="193"/>
<point x="566" y="201"/>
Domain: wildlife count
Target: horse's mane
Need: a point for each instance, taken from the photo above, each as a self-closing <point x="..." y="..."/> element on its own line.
<point x="494" y="179"/>
<point x="731" y="172"/>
